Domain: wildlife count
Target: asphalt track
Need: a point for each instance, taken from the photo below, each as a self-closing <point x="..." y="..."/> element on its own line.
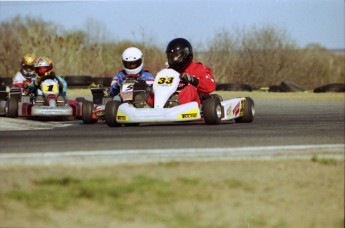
<point x="280" y="128"/>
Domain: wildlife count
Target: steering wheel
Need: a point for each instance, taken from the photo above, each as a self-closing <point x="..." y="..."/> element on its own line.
<point x="133" y="76"/>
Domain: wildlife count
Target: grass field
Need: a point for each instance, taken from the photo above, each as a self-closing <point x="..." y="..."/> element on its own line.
<point x="248" y="193"/>
<point x="275" y="193"/>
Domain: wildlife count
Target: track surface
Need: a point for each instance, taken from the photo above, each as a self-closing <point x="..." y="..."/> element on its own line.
<point x="276" y="123"/>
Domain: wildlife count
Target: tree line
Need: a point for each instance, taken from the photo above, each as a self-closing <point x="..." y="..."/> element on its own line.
<point x="259" y="56"/>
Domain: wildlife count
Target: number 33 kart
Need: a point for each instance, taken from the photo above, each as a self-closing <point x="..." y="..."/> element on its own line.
<point x="213" y="110"/>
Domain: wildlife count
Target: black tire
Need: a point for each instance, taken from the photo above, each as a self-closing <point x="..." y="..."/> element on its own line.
<point x="97" y="80"/>
<point x="78" y="80"/>
<point x="335" y="87"/>
<point x="212" y="111"/>
<point x="3" y="92"/>
<point x="6" y="81"/>
<point x="80" y="99"/>
<point x="249" y="112"/>
<point x="87" y="113"/>
<point x="107" y="81"/>
<point x="110" y="113"/>
<point x="12" y="107"/>
<point x="287" y="86"/>
<point x="275" y="88"/>
<point x="233" y="87"/>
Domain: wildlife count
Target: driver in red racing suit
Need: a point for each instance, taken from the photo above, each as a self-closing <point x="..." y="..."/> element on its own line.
<point x="196" y="78"/>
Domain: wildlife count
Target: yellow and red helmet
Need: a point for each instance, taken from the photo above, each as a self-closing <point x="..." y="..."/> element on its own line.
<point x="27" y="64"/>
<point x="43" y="66"/>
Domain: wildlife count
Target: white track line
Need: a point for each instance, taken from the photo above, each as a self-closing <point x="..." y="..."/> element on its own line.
<point x="147" y="155"/>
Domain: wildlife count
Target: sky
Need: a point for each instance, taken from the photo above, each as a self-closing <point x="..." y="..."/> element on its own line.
<point x="159" y="21"/>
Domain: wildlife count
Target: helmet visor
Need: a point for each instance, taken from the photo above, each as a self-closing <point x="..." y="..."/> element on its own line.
<point x="132" y="64"/>
<point x="175" y="57"/>
<point x="42" y="70"/>
<point x="28" y="69"/>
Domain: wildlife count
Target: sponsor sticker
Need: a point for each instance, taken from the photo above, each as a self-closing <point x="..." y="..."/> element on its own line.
<point x="236" y="110"/>
<point x="191" y="115"/>
<point x="121" y="117"/>
<point x="228" y="112"/>
<point x="164" y="81"/>
<point x="242" y="107"/>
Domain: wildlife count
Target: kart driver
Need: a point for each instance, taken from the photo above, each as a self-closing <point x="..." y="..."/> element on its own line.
<point x="196" y="78"/>
<point x="133" y="63"/>
<point x="26" y="73"/>
<point x="44" y="70"/>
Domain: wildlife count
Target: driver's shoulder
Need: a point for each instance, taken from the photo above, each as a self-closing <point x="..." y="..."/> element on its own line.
<point x="146" y="73"/>
<point x="120" y="74"/>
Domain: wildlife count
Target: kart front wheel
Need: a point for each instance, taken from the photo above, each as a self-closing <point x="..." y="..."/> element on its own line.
<point x="12" y="107"/>
<point x="212" y="111"/>
<point x="249" y="112"/>
<point x="111" y="112"/>
<point x="87" y="113"/>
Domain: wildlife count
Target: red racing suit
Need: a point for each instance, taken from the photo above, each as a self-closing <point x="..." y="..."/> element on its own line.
<point x="206" y="84"/>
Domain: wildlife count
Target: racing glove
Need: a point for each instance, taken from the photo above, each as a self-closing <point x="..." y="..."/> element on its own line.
<point x="25" y="85"/>
<point x="37" y="82"/>
<point x="186" y="78"/>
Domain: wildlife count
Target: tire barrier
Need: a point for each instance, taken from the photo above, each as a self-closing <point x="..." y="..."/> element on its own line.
<point x="233" y="87"/>
<point x="274" y="88"/>
<point x="78" y="81"/>
<point x="83" y="81"/>
<point x="335" y="87"/>
<point x="3" y="92"/>
<point x="286" y="86"/>
<point x="291" y="87"/>
<point x="6" y="81"/>
<point x="105" y="81"/>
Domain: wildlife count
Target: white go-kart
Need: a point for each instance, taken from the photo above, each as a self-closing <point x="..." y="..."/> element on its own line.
<point x="213" y="110"/>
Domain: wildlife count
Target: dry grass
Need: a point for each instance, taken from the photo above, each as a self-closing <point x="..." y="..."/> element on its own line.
<point x="259" y="56"/>
<point x="277" y="193"/>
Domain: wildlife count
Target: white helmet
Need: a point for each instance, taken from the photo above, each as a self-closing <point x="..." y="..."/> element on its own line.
<point x="132" y="60"/>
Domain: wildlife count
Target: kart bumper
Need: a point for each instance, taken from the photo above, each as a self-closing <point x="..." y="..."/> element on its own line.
<point x="233" y="108"/>
<point x="128" y="114"/>
<point x="73" y="108"/>
<point x="51" y="111"/>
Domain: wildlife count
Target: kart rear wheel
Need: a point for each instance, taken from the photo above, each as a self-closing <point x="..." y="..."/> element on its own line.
<point x="212" y="111"/>
<point x="87" y="113"/>
<point x="80" y="99"/>
<point x="111" y="112"/>
<point x="12" y="107"/>
<point x="249" y="112"/>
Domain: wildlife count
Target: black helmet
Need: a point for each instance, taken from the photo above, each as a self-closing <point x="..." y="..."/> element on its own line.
<point x="179" y="53"/>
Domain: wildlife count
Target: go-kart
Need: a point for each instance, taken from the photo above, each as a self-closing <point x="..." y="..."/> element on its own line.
<point x="129" y="92"/>
<point x="4" y="94"/>
<point x="49" y="104"/>
<point x="213" y="110"/>
<point x="16" y="90"/>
